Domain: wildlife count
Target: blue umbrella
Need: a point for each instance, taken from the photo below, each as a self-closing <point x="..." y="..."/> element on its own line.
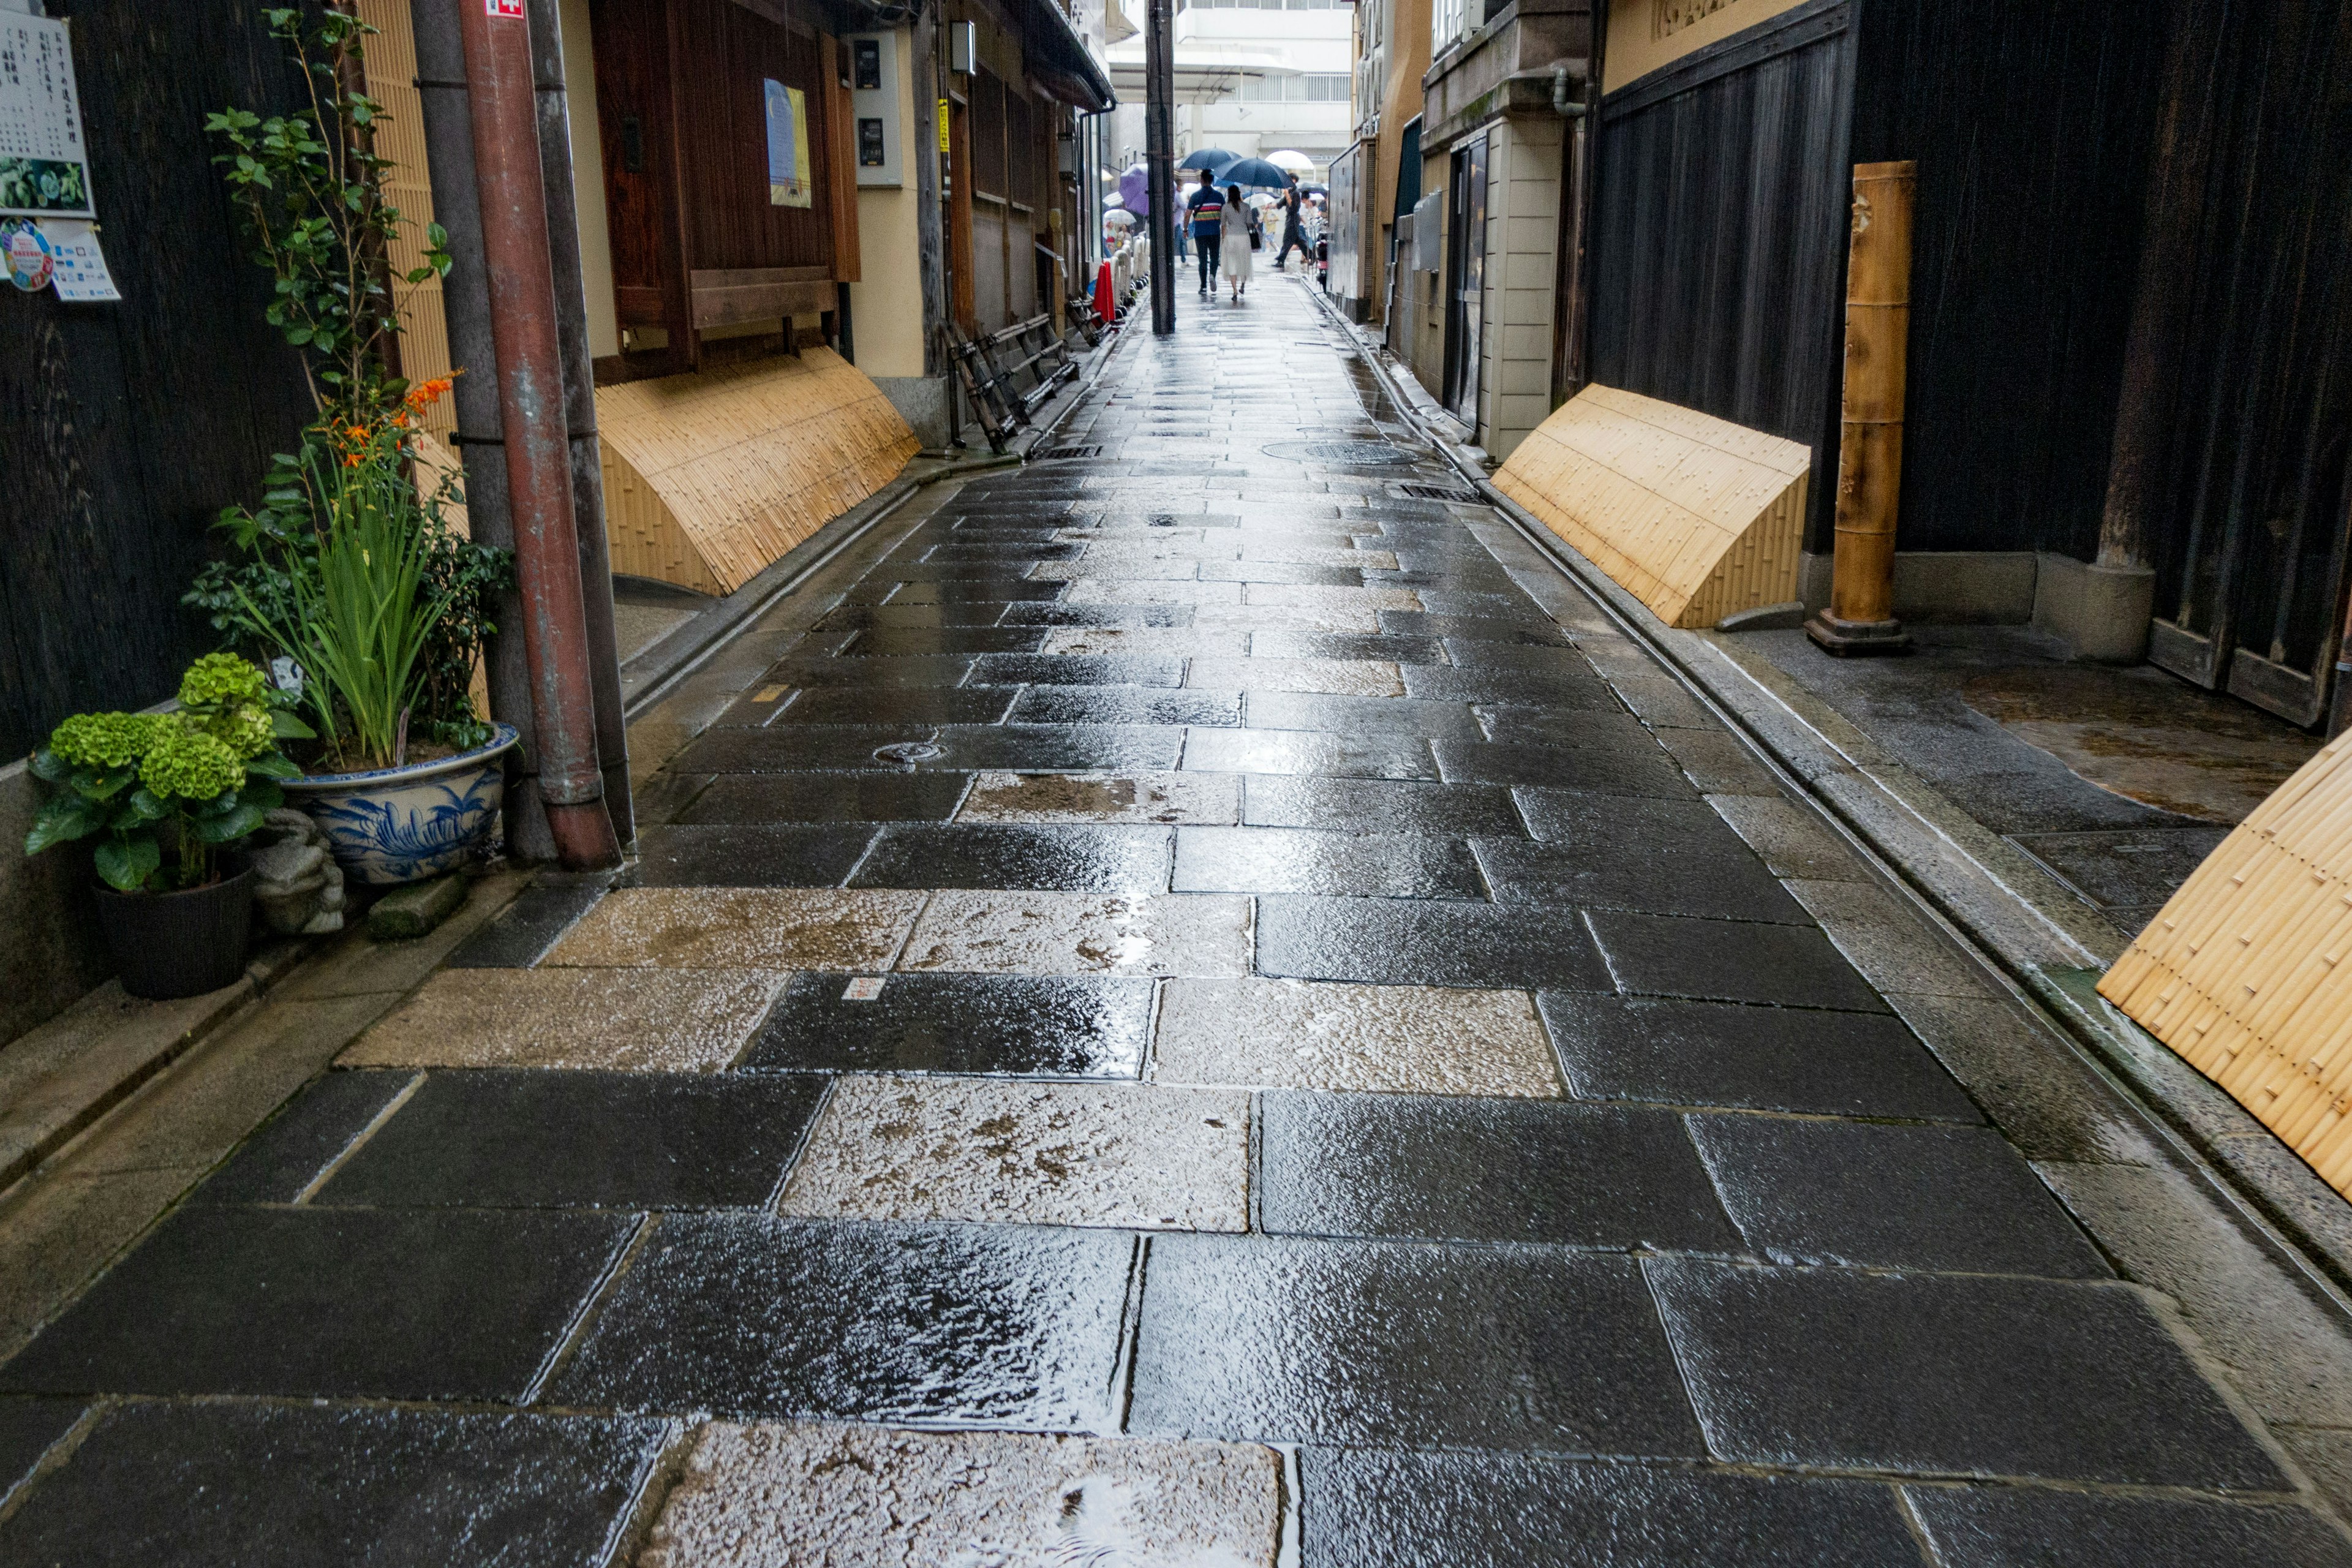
<point x="1253" y="174"/>
<point x="1210" y="157"/>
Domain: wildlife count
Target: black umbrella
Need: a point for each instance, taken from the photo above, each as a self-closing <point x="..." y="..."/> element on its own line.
<point x="1210" y="157"/>
<point x="1253" y="174"/>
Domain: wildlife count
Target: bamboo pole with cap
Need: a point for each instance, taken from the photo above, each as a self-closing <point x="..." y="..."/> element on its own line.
<point x="1861" y="615"/>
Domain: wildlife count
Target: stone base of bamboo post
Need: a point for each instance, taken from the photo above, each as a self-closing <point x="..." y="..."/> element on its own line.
<point x="1860" y="617"/>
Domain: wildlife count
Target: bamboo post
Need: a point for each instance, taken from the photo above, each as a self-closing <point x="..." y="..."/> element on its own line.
<point x="1860" y="617"/>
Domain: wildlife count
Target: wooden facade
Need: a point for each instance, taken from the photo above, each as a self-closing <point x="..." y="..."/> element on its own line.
<point x="125" y="428"/>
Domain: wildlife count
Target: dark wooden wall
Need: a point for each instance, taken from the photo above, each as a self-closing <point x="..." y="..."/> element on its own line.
<point x="2031" y="125"/>
<point x="124" y="429"/>
<point x="1718" y="253"/>
<point x="725" y="55"/>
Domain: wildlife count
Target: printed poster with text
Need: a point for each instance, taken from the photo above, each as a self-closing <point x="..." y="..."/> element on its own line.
<point x="43" y="166"/>
<point x="788" y="147"/>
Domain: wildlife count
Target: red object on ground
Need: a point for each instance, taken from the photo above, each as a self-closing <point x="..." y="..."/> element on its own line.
<point x="1105" y="312"/>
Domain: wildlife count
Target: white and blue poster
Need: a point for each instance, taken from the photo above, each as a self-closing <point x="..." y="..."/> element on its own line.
<point x="788" y="147"/>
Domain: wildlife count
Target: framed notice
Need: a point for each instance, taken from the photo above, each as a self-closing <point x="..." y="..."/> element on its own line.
<point x="44" y="162"/>
<point x="789" y="184"/>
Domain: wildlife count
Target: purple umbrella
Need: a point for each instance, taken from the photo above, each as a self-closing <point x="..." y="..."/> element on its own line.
<point x="1135" y="189"/>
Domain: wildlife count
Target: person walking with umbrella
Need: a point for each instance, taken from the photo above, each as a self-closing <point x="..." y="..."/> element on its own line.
<point x="1206" y="211"/>
<point x="1236" y="220"/>
<point x="1294" y="233"/>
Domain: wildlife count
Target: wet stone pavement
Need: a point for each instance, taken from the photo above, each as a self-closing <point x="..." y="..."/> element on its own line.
<point x="1197" y="1007"/>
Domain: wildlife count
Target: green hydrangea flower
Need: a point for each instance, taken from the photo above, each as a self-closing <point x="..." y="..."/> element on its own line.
<point x="107" y="741"/>
<point x="190" y="764"/>
<point x="227" y="698"/>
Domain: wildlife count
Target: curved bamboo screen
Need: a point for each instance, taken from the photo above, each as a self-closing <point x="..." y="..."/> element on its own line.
<point x="1694" y="516"/>
<point x="2243" y="972"/>
<point x="710" y="476"/>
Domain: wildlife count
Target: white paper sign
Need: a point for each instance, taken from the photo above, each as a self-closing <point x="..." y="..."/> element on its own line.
<point x="44" y="162"/>
<point x="81" y="273"/>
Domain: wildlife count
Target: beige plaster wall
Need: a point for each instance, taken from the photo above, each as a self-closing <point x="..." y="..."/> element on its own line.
<point x="1644" y="35"/>
<point x="1522" y="236"/>
<point x="588" y="180"/>
<point x="886" y="305"/>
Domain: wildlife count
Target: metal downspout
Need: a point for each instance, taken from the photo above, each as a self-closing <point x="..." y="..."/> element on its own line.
<point x="527" y="336"/>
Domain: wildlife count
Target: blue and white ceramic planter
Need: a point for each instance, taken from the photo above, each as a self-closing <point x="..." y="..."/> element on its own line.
<point x="404" y="824"/>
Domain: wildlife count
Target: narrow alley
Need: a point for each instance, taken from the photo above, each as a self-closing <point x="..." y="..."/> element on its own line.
<point x="1196" y="1002"/>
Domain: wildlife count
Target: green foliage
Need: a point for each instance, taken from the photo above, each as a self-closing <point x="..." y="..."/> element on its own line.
<point x="143" y="781"/>
<point x="310" y="185"/>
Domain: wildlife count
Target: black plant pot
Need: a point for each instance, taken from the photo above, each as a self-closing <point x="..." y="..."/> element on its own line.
<point x="167" y="945"/>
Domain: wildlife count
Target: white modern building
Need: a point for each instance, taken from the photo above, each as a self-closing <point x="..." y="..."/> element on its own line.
<point x="1253" y="77"/>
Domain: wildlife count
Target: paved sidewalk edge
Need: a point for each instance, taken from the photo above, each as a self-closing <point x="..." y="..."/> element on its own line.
<point x="2050" y="945"/>
<point x="651" y="674"/>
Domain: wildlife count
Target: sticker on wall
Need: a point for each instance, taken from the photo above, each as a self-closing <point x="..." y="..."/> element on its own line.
<point x="943" y="125"/>
<point x="789" y="184"/>
<point x="81" y="275"/>
<point x="25" y="251"/>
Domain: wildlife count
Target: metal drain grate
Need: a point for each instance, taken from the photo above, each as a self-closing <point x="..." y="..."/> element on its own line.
<point x="1052" y="452"/>
<point x="1351" y="452"/>
<point x="1435" y="492"/>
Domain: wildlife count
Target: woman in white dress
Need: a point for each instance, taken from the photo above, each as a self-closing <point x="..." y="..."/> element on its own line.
<point x="1233" y="257"/>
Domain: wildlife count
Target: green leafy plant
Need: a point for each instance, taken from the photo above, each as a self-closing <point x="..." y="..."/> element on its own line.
<point x="190" y="783"/>
<point x="310" y="185"/>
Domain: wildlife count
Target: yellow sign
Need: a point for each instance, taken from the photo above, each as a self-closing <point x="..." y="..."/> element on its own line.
<point x="943" y="125"/>
<point x="789" y="184"/>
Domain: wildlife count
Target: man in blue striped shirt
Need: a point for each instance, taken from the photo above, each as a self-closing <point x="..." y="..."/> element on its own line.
<point x="1206" y="212"/>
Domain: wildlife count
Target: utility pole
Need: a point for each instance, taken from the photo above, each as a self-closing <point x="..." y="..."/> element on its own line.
<point x="1159" y="156"/>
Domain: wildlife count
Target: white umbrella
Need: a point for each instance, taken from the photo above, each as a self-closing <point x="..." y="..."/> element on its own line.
<point x="1114" y="200"/>
<point x="1291" y="158"/>
<point x="1119" y="218"/>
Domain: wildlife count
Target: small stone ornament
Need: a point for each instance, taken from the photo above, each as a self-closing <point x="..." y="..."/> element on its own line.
<point x="298" y="888"/>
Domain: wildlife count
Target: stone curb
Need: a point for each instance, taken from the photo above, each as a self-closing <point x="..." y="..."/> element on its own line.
<point x="2049" y="943"/>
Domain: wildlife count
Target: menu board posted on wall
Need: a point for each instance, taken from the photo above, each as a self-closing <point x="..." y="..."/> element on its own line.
<point x="44" y="162"/>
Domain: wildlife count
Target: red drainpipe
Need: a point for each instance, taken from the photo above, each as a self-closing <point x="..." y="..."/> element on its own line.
<point x="523" y="327"/>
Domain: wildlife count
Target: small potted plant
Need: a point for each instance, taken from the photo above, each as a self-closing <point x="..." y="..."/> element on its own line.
<point x="169" y="798"/>
<point x="351" y="579"/>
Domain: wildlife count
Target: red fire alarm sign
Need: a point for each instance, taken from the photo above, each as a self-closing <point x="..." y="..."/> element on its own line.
<point x="504" y="7"/>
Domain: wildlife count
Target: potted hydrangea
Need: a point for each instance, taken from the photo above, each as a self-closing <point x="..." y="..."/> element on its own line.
<point x="169" y="798"/>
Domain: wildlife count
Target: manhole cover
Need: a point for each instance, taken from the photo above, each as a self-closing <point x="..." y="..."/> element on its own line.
<point x="1341" y="452"/>
<point x="907" y="753"/>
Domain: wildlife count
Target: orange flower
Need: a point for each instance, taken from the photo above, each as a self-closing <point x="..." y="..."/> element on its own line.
<point x="426" y="395"/>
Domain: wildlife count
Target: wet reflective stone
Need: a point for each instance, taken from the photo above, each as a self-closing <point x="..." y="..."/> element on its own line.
<point x="1358" y="677"/>
<point x="772" y="1494"/>
<point x="997" y="1326"/>
<point x="1527" y="625"/>
<point x="580" y="1139"/>
<point x="796" y="748"/>
<point x="1565" y="664"/>
<point x="1662" y="827"/>
<point x="281" y="1159"/>
<point x="1397" y="1039"/>
<point x="1988" y="1527"/>
<point x="263" y="1486"/>
<point x="526" y="929"/>
<point x="912" y="671"/>
<point x="1066" y="859"/>
<point x="680" y="928"/>
<point x="1719" y="762"/>
<point x="855" y="618"/>
<point x="1297" y="572"/>
<point x="1955" y="1198"/>
<point x="914" y="705"/>
<point x="1478" y="1170"/>
<point x="1373" y="1342"/>
<point x="411" y="1304"/>
<point x="1612" y="771"/>
<point x="1072" y="1027"/>
<point x="28" y="1428"/>
<point x="1628" y="874"/>
<point x="1728" y="961"/>
<point x="1497" y="1510"/>
<point x="1307" y="751"/>
<point x="1399" y="942"/>
<point x="1308" y="860"/>
<point x="1379" y="806"/>
<point x="1763" y="1058"/>
<point x="2049" y="1104"/>
<point x="1343" y="645"/>
<point x="1602" y="729"/>
<point x="1134" y="642"/>
<point x="1119" y="705"/>
<point x="1195" y="935"/>
<point x="1365" y="716"/>
<point x="1057" y="748"/>
<point x="1891" y="942"/>
<point x="1098" y="616"/>
<point x="1444" y="683"/>
<point x="1948" y="1375"/>
<point x="1073" y="669"/>
<point x="885" y="586"/>
<point x="665" y="1020"/>
<point x="1052" y="799"/>
<point x="752" y="798"/>
<point x="1027" y="1153"/>
<point x="749" y="855"/>
<point x="1335" y="620"/>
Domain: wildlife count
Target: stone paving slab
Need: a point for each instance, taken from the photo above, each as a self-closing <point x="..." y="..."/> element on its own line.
<point x="1402" y="1040"/>
<point x="669" y="1020"/>
<point x="842" y="1497"/>
<point x="1030" y="1024"/>
<point x="725" y="928"/>
<point x="1027" y="1154"/>
<point x="1200" y="935"/>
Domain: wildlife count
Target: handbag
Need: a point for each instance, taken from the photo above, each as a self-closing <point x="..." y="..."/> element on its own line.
<point x="1257" y="240"/>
